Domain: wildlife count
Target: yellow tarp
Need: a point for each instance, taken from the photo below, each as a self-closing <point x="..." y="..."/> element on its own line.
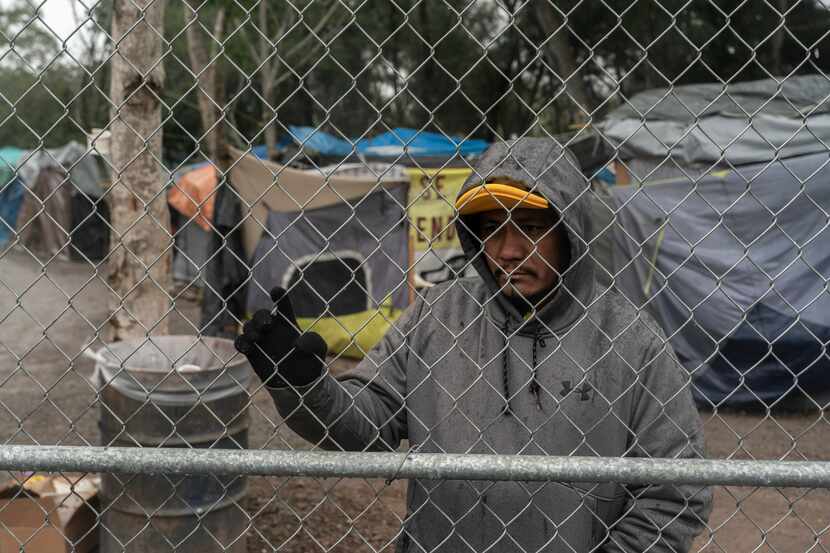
<point x="352" y="335"/>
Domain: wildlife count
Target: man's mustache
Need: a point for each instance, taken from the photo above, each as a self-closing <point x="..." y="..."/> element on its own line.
<point x="506" y="273"/>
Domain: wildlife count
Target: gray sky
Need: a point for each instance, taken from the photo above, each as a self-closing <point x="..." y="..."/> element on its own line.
<point x="57" y="14"/>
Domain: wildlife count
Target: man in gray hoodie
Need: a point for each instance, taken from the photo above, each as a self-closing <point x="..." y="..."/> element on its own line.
<point x="530" y="358"/>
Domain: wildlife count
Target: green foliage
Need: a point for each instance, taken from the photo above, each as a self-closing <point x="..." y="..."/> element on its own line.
<point x="362" y="66"/>
<point x="47" y="98"/>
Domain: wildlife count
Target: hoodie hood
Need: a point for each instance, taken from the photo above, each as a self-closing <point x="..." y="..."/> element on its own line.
<point x="547" y="169"/>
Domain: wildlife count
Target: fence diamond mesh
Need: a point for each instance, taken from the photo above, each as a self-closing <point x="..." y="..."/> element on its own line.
<point x="445" y="276"/>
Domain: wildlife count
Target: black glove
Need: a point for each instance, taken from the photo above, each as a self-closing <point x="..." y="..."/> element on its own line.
<point x="276" y="349"/>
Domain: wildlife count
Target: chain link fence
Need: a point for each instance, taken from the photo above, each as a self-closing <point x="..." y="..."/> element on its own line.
<point x="335" y="275"/>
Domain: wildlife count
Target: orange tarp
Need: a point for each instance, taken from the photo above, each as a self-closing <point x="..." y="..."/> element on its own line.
<point x="193" y="195"/>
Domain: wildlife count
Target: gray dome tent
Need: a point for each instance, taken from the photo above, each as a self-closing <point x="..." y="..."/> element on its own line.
<point x="723" y="234"/>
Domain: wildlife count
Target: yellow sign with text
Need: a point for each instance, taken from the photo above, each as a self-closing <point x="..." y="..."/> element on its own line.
<point x="432" y="194"/>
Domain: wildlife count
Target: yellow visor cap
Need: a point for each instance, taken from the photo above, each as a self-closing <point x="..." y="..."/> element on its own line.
<point x="489" y="197"/>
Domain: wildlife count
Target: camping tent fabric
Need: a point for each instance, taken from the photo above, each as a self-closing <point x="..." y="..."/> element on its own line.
<point x="734" y="124"/>
<point x="344" y="267"/>
<point x="90" y="228"/>
<point x="734" y="269"/>
<point x="11" y="197"/>
<point x="641" y="170"/>
<point x="265" y="186"/>
<point x="717" y="139"/>
<point x="369" y="170"/>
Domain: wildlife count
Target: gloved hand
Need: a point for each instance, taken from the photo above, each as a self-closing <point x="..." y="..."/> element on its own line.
<point x="276" y="349"/>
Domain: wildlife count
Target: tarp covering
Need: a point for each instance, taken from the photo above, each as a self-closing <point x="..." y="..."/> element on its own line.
<point x="226" y="272"/>
<point x="193" y="194"/>
<point x="401" y="141"/>
<point x="55" y="180"/>
<point x="395" y="143"/>
<point x="320" y="141"/>
<point x="44" y="223"/>
<point x="735" y="124"/>
<point x="344" y="266"/>
<point x="74" y="159"/>
<point x="11" y="192"/>
<point x="734" y="268"/>
<point x="190" y="254"/>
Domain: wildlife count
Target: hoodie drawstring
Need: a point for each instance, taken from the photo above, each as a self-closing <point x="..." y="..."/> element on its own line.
<point x="505" y="370"/>
<point x="534" y="387"/>
<point x="534" y="382"/>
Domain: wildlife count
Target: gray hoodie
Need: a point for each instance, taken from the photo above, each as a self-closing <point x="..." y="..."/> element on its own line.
<point x="461" y="371"/>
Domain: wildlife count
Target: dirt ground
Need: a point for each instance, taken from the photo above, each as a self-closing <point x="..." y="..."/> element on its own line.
<point x="47" y="314"/>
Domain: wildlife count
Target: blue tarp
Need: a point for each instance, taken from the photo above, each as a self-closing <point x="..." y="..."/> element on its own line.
<point x="260" y="151"/>
<point x="322" y="142"/>
<point x="393" y="143"/>
<point x="419" y="144"/>
<point x="11" y="192"/>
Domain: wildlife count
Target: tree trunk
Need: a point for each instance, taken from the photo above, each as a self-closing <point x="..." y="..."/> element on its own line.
<point x="139" y="262"/>
<point x="777" y="41"/>
<point x="209" y="75"/>
<point x="562" y="58"/>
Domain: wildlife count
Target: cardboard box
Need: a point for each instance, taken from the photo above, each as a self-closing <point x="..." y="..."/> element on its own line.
<point x="49" y="514"/>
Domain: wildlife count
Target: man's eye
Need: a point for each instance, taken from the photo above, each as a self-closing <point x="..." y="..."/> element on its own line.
<point x="534" y="230"/>
<point x="488" y="228"/>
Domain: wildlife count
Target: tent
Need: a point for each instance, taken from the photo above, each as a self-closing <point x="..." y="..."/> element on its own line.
<point x="720" y="233"/>
<point x="735" y="270"/>
<point x="61" y="207"/>
<point x="193" y="197"/>
<point x="339" y="238"/>
<point x="337" y="243"/>
<point x="707" y="125"/>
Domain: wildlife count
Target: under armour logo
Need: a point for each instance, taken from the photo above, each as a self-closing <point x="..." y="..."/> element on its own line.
<point x="584" y="391"/>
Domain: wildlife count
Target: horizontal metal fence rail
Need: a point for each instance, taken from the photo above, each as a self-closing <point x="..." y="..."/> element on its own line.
<point x="436" y="466"/>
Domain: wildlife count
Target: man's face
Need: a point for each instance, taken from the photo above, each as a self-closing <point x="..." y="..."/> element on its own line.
<point x="522" y="249"/>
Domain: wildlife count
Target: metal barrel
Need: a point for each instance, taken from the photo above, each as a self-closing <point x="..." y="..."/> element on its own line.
<point x="173" y="391"/>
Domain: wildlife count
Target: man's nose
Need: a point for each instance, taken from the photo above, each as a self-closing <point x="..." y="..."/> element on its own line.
<point x="515" y="245"/>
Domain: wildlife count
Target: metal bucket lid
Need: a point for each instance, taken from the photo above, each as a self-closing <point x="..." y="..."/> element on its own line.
<point x="172" y="365"/>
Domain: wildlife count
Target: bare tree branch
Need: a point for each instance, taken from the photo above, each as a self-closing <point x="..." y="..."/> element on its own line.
<point x="207" y="68"/>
